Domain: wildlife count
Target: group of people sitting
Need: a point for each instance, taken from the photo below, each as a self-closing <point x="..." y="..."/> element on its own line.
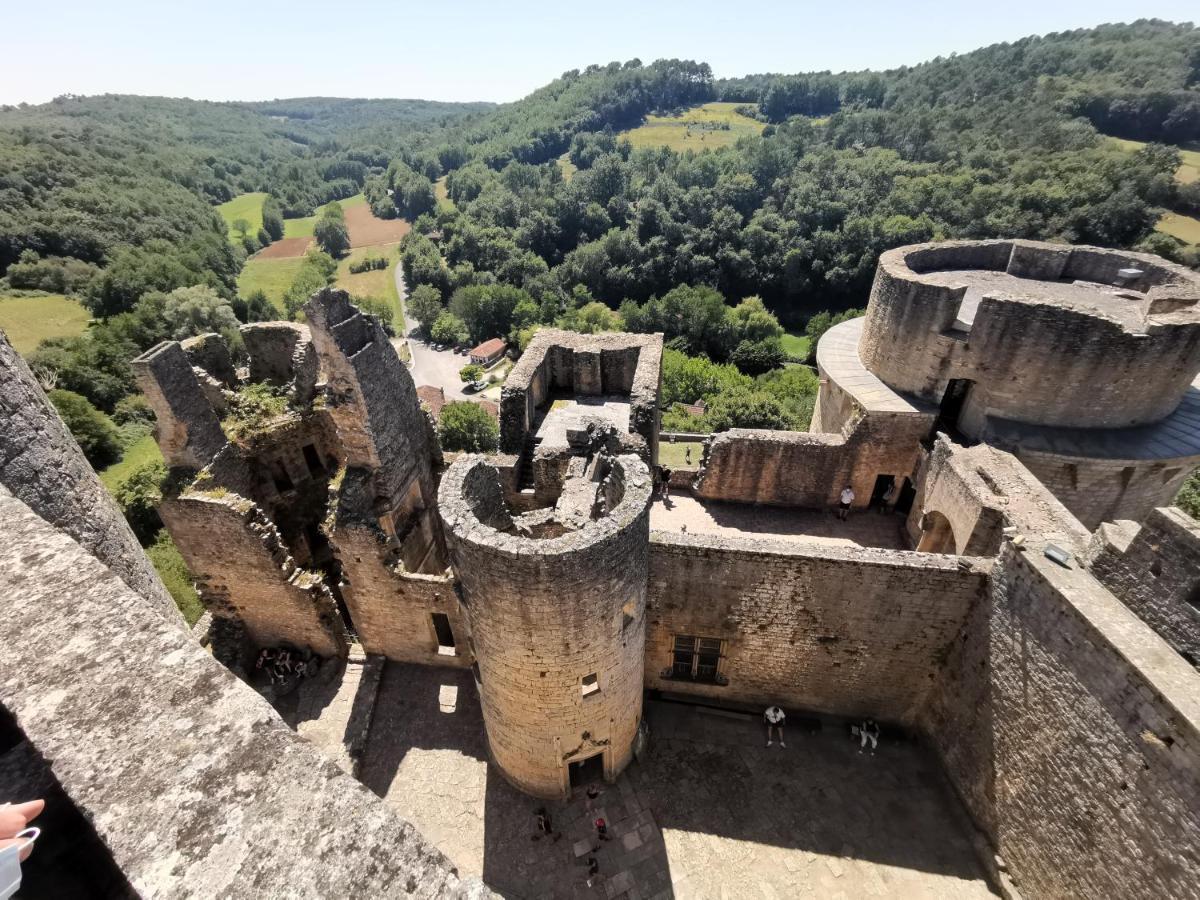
<point x="283" y="665"/>
<point x="866" y="731"/>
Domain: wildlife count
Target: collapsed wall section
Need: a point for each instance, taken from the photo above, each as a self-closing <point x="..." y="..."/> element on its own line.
<point x="845" y="631"/>
<point x="42" y="465"/>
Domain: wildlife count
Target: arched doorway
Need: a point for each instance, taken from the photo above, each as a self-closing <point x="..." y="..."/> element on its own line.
<point x="936" y="534"/>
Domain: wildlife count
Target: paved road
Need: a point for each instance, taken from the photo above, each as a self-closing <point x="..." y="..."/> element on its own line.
<point x="429" y="366"/>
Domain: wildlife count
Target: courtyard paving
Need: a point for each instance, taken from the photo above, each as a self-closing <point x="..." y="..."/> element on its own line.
<point x="865" y="528"/>
<point x="709" y="812"/>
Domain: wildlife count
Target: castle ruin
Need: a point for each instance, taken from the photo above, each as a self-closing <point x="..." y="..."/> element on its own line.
<point x="1034" y="626"/>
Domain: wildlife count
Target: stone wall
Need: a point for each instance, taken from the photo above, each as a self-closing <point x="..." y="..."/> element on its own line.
<point x="41" y="464"/>
<point x="801" y="468"/>
<point x="586" y="364"/>
<point x="548" y="617"/>
<point x="391" y="609"/>
<point x="194" y="784"/>
<point x="243" y="571"/>
<point x="187" y="428"/>
<point x="1070" y="731"/>
<point x="845" y="631"/>
<point x="1105" y="490"/>
<point x="1155" y="571"/>
<point x="1035" y="360"/>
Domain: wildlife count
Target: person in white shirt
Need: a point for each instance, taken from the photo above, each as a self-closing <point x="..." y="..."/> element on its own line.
<point x="847" y="498"/>
<point x="774" y="718"/>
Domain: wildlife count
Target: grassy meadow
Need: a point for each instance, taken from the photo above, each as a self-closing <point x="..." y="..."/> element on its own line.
<point x="675" y="455"/>
<point x="304" y="227"/>
<point x="1189" y="167"/>
<point x="795" y="345"/>
<point x="706" y="127"/>
<point x="442" y="194"/>
<point x="144" y="450"/>
<point x="244" y="206"/>
<point x="271" y="276"/>
<point x="378" y="283"/>
<point x="1186" y="228"/>
<point x="29" y="320"/>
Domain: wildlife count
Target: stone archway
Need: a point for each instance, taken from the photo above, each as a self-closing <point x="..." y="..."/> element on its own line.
<point x="936" y="534"/>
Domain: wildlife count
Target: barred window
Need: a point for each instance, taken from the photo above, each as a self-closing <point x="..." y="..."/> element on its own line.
<point x="696" y="658"/>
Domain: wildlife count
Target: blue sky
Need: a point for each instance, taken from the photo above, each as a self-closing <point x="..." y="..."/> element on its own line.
<point x="471" y="50"/>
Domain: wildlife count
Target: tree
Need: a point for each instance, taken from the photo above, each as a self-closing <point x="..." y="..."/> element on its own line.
<point x="331" y="235"/>
<point x="138" y="496"/>
<point x="468" y="428"/>
<point x="757" y="357"/>
<point x="93" y="430"/>
<point x="425" y="305"/>
<point x="380" y="309"/>
<point x="272" y="216"/>
<point x="254" y="307"/>
<point x="822" y="322"/>
<point x="448" y="329"/>
<point x="242" y="227"/>
<point x="471" y="372"/>
<point x="190" y="311"/>
<point x="592" y="318"/>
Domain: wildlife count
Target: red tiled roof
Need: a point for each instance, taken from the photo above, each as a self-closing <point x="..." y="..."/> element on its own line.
<point x="490" y="348"/>
<point x="433" y="397"/>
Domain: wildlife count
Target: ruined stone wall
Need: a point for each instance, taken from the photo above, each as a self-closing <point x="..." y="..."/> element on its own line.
<point x="194" y="784"/>
<point x="391" y="610"/>
<point x="1070" y="730"/>
<point x="243" y="571"/>
<point x="845" y="631"/>
<point x="1105" y="490"/>
<point x="544" y="616"/>
<point x="41" y="464"/>
<point x="1032" y="360"/>
<point x="801" y="468"/>
<point x="186" y="425"/>
<point x="1155" y="571"/>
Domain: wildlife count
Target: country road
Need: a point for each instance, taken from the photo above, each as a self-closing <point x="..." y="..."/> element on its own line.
<point x="429" y="366"/>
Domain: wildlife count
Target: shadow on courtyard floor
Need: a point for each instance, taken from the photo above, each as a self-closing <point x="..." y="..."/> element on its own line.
<point x="709" y="811"/>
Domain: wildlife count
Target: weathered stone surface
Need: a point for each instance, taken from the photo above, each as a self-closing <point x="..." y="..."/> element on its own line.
<point x="188" y="430"/>
<point x="1155" y="571"/>
<point x="41" y="464"/>
<point x="549" y="618"/>
<point x="190" y="778"/>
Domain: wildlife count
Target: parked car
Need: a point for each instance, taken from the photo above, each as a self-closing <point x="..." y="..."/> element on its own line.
<point x="476" y="386"/>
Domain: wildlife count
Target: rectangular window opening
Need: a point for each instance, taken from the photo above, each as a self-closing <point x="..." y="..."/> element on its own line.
<point x="313" y="460"/>
<point x="280" y="476"/>
<point x="445" y="635"/>
<point x="696" y="658"/>
<point x="590" y="685"/>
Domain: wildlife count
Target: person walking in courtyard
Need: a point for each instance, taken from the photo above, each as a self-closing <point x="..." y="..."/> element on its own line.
<point x="775" y="718"/>
<point x="666" y="482"/>
<point x="602" y="829"/>
<point x="847" y="497"/>
<point x="593" y="869"/>
<point x="868" y="731"/>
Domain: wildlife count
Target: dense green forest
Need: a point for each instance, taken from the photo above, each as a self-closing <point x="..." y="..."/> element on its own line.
<point x="552" y="218"/>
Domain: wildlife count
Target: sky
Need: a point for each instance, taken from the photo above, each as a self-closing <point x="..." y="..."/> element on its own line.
<point x="471" y="50"/>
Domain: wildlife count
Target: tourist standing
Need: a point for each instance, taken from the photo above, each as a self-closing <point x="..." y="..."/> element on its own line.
<point x="847" y="497"/>
<point x="888" y="500"/>
<point x="774" y="718"/>
<point x="666" y="482"/>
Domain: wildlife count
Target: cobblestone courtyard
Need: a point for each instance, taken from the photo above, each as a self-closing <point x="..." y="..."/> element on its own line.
<point x="710" y="812"/>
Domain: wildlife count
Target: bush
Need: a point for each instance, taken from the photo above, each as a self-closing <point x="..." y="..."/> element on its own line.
<point x="175" y="576"/>
<point x="368" y="264"/>
<point x="470" y="372"/>
<point x="93" y="430"/>
<point x="54" y="274"/>
<point x="138" y="496"/>
<point x="134" y="409"/>
<point x="467" y="427"/>
<point x="1189" y="496"/>
<point x="757" y="357"/>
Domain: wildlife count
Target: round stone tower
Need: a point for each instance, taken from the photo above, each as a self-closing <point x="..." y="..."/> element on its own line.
<point x="556" y="600"/>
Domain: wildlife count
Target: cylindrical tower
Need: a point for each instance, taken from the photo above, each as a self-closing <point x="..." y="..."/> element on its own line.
<point x="557" y="605"/>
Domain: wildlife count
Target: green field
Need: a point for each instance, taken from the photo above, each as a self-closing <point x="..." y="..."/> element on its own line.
<point x="271" y="276"/>
<point x="304" y="227"/>
<point x="1186" y="228"/>
<point x="1189" y="168"/>
<point x="30" y="320"/>
<point x="378" y="283"/>
<point x="707" y="127"/>
<point x="443" y="196"/>
<point x="245" y="206"/>
<point x="143" y="451"/>
<point x="796" y="345"/>
<point x="675" y="456"/>
<point x="567" y="167"/>
<point x="173" y="571"/>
